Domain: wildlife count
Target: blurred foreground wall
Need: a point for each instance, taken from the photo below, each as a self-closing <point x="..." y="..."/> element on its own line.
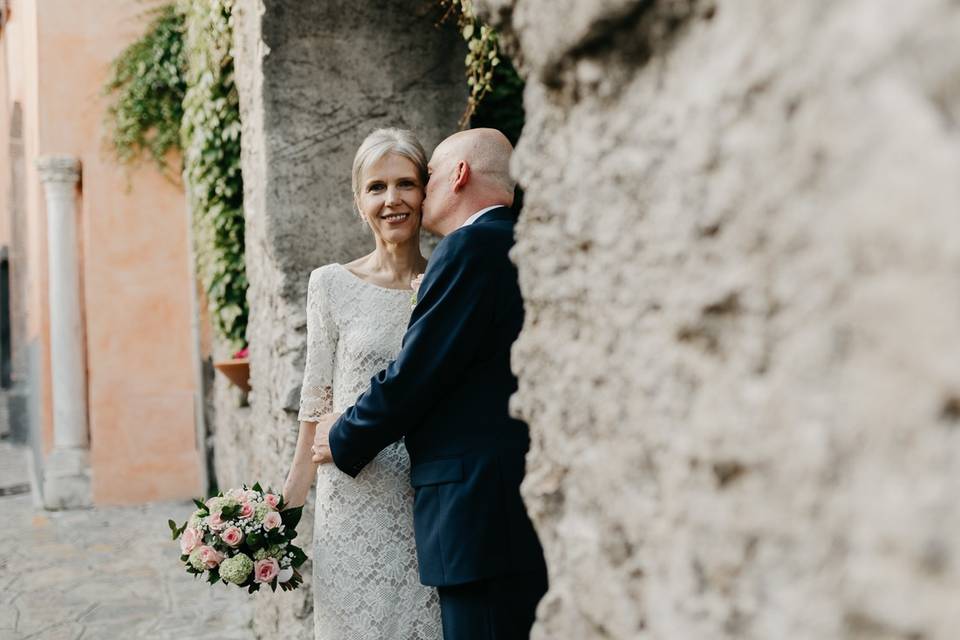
<point x="740" y="256"/>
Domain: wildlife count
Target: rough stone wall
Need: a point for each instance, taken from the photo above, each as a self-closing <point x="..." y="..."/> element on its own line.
<point x="315" y="78"/>
<point x="740" y="256"/>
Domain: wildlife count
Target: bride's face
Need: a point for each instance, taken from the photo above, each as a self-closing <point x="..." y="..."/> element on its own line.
<point x="390" y="199"/>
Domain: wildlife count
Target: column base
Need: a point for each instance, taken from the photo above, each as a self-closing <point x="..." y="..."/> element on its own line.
<point x="66" y="483"/>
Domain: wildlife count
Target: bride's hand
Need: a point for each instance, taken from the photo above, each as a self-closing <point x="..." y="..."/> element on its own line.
<point x="321" y="440"/>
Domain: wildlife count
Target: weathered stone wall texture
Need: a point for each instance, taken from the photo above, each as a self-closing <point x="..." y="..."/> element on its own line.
<point x="740" y="256"/>
<point x="315" y="78"/>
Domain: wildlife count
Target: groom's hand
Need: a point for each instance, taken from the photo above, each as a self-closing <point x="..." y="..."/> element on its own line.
<point x="321" y="441"/>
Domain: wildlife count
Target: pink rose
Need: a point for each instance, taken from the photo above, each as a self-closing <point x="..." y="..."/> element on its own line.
<point x="189" y="540"/>
<point x="265" y="570"/>
<point x="272" y="500"/>
<point x="216" y="522"/>
<point x="272" y="520"/>
<point x="210" y="557"/>
<point x="232" y="536"/>
<point x="246" y="510"/>
<point x="415" y="283"/>
<point x="232" y="494"/>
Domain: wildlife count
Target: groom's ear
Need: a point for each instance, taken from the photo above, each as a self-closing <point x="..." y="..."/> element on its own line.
<point x="461" y="176"/>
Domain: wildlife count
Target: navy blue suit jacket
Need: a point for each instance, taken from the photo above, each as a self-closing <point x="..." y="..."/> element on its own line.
<point x="447" y="394"/>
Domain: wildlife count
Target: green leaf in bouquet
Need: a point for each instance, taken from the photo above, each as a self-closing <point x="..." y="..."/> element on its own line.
<point x="230" y="511"/>
<point x="200" y="506"/>
<point x="299" y="557"/>
<point x="290" y="534"/>
<point x="291" y="517"/>
<point x="254" y="540"/>
<point x="273" y="585"/>
<point x="214" y="576"/>
<point x="174" y="529"/>
<point x="258" y="488"/>
<point x="185" y="557"/>
<point x="254" y="587"/>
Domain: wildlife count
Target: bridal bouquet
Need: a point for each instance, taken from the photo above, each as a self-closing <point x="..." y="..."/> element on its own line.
<point x="242" y="537"/>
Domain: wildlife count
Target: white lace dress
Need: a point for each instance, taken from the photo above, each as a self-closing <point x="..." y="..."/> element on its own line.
<point x="365" y="580"/>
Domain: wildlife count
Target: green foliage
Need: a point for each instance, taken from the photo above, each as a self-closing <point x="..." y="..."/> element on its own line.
<point x="502" y="107"/>
<point x="496" y="91"/>
<point x="174" y="90"/>
<point x="210" y="137"/>
<point x="291" y="517"/>
<point x="146" y="87"/>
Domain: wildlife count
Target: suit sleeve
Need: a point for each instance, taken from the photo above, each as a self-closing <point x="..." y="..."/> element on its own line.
<point x="444" y="335"/>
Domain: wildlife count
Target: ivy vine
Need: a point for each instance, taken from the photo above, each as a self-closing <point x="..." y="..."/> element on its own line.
<point x="147" y="84"/>
<point x="496" y="90"/>
<point x="210" y="136"/>
<point x="173" y="89"/>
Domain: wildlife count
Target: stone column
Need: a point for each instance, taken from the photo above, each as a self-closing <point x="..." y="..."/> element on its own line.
<point x="67" y="472"/>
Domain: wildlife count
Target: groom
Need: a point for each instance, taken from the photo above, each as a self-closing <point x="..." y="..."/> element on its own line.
<point x="447" y="394"/>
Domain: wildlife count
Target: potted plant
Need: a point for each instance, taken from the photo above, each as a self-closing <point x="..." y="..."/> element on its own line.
<point x="237" y="369"/>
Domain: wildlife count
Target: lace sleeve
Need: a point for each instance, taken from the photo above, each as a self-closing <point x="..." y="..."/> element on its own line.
<point x="316" y="395"/>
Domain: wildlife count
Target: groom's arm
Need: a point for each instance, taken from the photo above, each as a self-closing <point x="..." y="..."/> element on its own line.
<point x="443" y="337"/>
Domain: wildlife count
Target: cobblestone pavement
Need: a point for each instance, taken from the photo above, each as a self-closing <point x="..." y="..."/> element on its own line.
<point x="103" y="574"/>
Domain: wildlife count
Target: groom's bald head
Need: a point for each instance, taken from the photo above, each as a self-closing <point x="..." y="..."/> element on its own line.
<point x="469" y="171"/>
<point x="487" y="151"/>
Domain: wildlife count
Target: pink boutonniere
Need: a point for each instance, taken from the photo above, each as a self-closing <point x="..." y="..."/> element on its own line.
<point x="415" y="285"/>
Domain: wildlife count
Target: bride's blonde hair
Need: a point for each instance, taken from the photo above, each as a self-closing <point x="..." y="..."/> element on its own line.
<point x="382" y="142"/>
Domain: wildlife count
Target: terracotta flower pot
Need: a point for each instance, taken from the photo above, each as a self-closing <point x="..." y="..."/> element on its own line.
<point x="237" y="371"/>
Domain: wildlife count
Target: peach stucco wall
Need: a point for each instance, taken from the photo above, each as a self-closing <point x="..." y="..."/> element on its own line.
<point x="135" y="272"/>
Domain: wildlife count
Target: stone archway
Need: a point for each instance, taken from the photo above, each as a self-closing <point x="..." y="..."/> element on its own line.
<point x="314" y="79"/>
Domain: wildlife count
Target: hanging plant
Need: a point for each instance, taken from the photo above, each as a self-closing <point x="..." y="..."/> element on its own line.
<point x="210" y="137"/>
<point x="496" y="90"/>
<point x="173" y="90"/>
<point x="146" y="88"/>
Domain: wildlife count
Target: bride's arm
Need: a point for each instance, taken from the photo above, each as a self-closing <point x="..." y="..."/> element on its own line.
<point x="316" y="394"/>
<point x="303" y="470"/>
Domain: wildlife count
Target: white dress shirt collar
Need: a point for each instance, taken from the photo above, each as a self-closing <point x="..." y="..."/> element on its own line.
<point x="474" y="217"/>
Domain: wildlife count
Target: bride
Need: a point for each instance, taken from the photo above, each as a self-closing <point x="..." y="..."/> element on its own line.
<point x="365" y="580"/>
